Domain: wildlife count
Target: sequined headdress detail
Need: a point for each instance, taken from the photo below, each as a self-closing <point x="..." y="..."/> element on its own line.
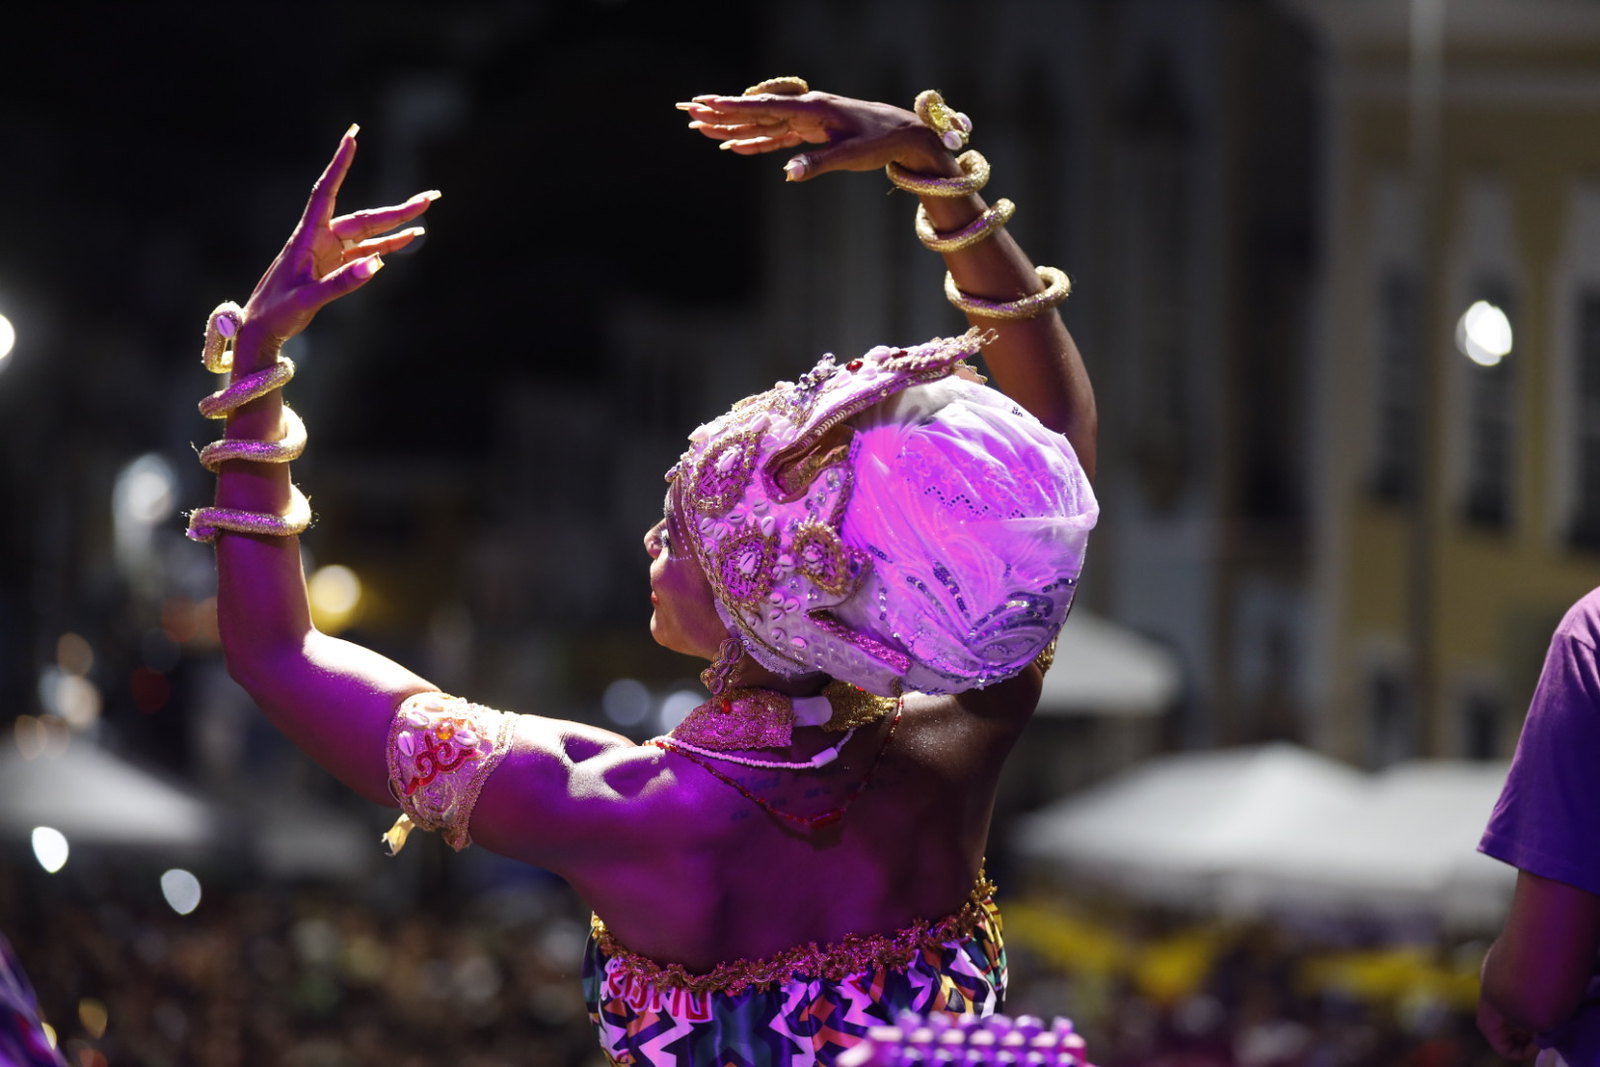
<point x="887" y="522"/>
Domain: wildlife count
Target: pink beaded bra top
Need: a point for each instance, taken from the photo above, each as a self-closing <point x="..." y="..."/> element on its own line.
<point x="888" y="521"/>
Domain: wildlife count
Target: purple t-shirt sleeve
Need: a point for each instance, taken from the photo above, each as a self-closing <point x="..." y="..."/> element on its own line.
<point x="1547" y="820"/>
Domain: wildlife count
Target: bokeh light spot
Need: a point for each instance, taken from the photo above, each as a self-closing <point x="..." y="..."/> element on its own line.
<point x="1483" y="334"/>
<point x="626" y="702"/>
<point x="94" y="1017"/>
<point x="71" y="697"/>
<point x="146" y="491"/>
<point x="50" y="848"/>
<point x="677" y="706"/>
<point x="181" y="889"/>
<point x="335" y="594"/>
<point x="73" y="654"/>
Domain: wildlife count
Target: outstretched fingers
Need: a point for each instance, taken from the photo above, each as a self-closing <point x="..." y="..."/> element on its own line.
<point x="381" y="246"/>
<point x="361" y="225"/>
<point x="752" y="125"/>
<point x="732" y="130"/>
<point x="319" y="206"/>
<point x="746" y="146"/>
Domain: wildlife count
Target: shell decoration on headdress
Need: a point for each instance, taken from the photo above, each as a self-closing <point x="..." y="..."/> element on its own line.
<point x="895" y="537"/>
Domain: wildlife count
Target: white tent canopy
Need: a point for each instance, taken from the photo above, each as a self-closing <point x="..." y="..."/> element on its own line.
<point x="91" y="795"/>
<point x="1410" y="844"/>
<point x="1170" y="826"/>
<point x="1277" y="826"/>
<point x="1102" y="668"/>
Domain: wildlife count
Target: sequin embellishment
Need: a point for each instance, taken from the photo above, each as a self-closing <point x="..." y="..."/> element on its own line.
<point x="441" y="750"/>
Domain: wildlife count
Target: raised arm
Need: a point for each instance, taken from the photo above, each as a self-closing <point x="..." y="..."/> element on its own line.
<point x="332" y="698"/>
<point x="1033" y="358"/>
<point x="337" y="700"/>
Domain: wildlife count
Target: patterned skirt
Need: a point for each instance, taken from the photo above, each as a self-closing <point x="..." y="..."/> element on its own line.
<point x="802" y="1007"/>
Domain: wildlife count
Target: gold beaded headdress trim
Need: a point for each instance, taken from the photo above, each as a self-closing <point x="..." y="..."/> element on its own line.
<point x="762" y="492"/>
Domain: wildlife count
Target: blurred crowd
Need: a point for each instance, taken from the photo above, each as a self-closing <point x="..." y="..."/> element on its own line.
<point x="320" y="975"/>
<point x="1151" y="987"/>
<point x="306" y="977"/>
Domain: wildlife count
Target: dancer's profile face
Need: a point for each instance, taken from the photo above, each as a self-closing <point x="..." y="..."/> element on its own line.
<point x="685" y="618"/>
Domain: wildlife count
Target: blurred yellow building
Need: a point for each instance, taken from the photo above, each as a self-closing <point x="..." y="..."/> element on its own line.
<point x="1458" y="511"/>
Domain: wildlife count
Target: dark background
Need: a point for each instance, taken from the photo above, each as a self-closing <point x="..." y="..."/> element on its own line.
<point x="485" y="444"/>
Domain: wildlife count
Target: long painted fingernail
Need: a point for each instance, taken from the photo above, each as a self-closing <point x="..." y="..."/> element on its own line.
<point x="366" y="268"/>
<point x="430" y="195"/>
<point x="355" y="128"/>
<point x="685" y="105"/>
<point x="795" y="169"/>
<point x="725" y="145"/>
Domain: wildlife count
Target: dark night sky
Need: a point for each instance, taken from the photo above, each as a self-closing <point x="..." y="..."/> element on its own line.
<point x="155" y="156"/>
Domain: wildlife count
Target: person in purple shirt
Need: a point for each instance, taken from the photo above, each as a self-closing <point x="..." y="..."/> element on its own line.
<point x="1540" y="989"/>
<point x="22" y="1038"/>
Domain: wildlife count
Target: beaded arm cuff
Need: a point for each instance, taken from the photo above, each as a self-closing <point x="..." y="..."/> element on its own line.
<point x="441" y="750"/>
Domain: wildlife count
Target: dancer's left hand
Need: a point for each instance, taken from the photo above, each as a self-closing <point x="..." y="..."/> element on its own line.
<point x="855" y="134"/>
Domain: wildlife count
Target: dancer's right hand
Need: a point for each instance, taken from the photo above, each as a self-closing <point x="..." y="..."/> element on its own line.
<point x="327" y="257"/>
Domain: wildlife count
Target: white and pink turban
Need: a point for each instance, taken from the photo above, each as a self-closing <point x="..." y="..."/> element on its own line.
<point x="887" y="522"/>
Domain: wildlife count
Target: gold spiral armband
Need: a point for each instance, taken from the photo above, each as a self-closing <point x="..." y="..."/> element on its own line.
<point x="1057" y="288"/>
<point x="206" y="524"/>
<point x="974" y="176"/>
<point x="979" y="229"/>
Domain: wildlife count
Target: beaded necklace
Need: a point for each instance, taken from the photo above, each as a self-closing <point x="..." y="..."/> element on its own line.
<point x="821" y="759"/>
<point x="804" y="822"/>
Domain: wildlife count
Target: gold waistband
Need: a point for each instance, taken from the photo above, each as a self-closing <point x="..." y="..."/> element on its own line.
<point x="832" y="962"/>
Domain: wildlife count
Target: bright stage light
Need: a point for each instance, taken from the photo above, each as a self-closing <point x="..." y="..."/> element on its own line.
<point x="1483" y="334"/>
<point x="8" y="339"/>
<point x="50" y="848"/>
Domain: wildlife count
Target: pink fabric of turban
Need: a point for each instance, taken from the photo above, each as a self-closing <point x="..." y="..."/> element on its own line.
<point x="887" y="523"/>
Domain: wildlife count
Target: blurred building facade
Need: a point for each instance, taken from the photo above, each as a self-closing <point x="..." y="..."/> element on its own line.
<point x="1457" y="505"/>
<point x="1352" y="535"/>
<point x="1162" y="154"/>
<point x="1349" y="535"/>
